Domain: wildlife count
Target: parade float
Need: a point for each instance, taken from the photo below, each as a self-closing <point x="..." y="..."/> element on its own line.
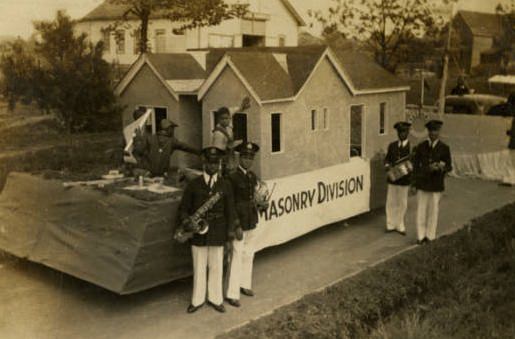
<point x="322" y="128"/>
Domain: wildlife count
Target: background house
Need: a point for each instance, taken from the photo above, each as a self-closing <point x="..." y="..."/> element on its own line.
<point x="478" y="33"/>
<point x="268" y="23"/>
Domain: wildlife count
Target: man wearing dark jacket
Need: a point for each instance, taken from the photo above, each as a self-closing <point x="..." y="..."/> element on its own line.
<point x="397" y="195"/>
<point x="244" y="183"/>
<point x="207" y="249"/>
<point x="431" y="163"/>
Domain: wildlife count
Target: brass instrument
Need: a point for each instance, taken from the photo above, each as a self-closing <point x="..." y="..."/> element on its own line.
<point x="196" y="222"/>
<point x="262" y="195"/>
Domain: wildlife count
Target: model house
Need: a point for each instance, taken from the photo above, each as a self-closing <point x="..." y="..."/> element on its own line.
<point x="268" y="23"/>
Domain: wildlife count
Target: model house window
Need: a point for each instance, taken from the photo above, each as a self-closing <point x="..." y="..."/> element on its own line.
<point x="239" y="125"/>
<point x="276" y="132"/>
<point x="313" y="119"/>
<point x="382" y="118"/>
<point x="160" y="41"/>
<point x="106" y="39"/>
<point x="282" y="40"/>
<point x="356" y="130"/>
<point x="326" y="119"/>
<point x="160" y="113"/>
<point x="120" y="42"/>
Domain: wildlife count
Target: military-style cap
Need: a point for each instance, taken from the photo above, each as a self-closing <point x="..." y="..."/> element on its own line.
<point x="247" y="149"/>
<point x="212" y="154"/>
<point x="402" y="125"/>
<point x="165" y="124"/>
<point x="434" y="125"/>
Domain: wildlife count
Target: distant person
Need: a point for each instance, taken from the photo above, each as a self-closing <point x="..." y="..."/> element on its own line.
<point x="223" y="136"/>
<point x="155" y="150"/>
<point x="506" y="109"/>
<point x="398" y="189"/>
<point x="431" y="163"/>
<point x="461" y="88"/>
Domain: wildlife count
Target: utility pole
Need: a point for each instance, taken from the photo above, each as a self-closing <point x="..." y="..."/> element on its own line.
<point x="441" y="96"/>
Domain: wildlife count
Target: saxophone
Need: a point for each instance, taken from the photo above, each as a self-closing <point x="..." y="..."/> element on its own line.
<point x="196" y="222"/>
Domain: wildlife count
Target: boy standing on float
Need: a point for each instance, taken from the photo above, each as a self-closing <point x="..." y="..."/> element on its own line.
<point x="244" y="183"/>
<point x="431" y="163"/>
<point x="397" y="195"/>
<point x="208" y="248"/>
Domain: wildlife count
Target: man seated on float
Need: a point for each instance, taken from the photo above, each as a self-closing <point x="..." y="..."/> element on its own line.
<point x="223" y="136"/>
<point x="154" y="151"/>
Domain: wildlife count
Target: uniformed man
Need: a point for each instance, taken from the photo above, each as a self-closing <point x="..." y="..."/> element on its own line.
<point x="154" y="151"/>
<point x="431" y="163"/>
<point x="244" y="183"/>
<point x="397" y="195"/>
<point x="207" y="249"/>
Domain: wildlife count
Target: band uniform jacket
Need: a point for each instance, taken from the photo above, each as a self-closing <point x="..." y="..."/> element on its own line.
<point x="424" y="155"/>
<point x="244" y="190"/>
<point x="393" y="155"/>
<point x="221" y="217"/>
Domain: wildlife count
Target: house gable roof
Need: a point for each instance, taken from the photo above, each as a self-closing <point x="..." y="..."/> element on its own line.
<point x="361" y="76"/>
<point x="486" y="24"/>
<point x="107" y="11"/>
<point x="180" y="73"/>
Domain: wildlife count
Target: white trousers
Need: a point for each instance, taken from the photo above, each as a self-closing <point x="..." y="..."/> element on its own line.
<point x="427" y="214"/>
<point x="240" y="270"/>
<point x="396" y="206"/>
<point x="207" y="270"/>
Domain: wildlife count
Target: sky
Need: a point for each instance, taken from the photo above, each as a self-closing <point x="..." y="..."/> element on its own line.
<point x="17" y="15"/>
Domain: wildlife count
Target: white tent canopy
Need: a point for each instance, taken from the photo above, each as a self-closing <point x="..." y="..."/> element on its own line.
<point x="503" y="79"/>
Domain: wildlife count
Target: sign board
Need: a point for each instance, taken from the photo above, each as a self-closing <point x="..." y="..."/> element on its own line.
<point x="304" y="202"/>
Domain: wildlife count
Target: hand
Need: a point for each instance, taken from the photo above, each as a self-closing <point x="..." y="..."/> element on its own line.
<point x="238" y="234"/>
<point x="387" y="167"/>
<point x="245" y="103"/>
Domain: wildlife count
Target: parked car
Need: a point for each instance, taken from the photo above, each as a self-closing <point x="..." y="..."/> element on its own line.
<point x="471" y="103"/>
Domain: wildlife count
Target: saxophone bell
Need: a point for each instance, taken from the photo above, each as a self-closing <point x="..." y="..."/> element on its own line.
<point x="203" y="226"/>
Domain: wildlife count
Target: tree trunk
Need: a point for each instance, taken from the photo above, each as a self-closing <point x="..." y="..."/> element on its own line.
<point x="143" y="41"/>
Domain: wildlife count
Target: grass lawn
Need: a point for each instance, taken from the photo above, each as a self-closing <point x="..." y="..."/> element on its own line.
<point x="460" y="286"/>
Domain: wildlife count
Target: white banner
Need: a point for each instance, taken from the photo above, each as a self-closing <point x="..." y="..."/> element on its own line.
<point x="304" y="202"/>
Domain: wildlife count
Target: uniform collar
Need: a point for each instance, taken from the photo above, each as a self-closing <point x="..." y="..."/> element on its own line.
<point x="431" y="144"/>
<point x="403" y="143"/>
<point x="206" y="178"/>
<point x="244" y="171"/>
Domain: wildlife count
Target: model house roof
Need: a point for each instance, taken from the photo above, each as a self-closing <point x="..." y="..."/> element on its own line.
<point x="280" y="74"/>
<point x="108" y="11"/>
<point x="180" y="73"/>
<point x="483" y="23"/>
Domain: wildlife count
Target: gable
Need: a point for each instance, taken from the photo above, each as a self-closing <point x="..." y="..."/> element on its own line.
<point x="148" y="86"/>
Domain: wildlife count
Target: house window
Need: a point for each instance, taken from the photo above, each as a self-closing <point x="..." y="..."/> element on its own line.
<point x="326" y="119"/>
<point x="239" y="123"/>
<point x="356" y="130"/>
<point x="120" y="42"/>
<point x="313" y="120"/>
<point x="136" y="40"/>
<point x="282" y="40"/>
<point x="160" y="41"/>
<point x="276" y="132"/>
<point x="382" y="118"/>
<point x="220" y="41"/>
<point x="106" y="39"/>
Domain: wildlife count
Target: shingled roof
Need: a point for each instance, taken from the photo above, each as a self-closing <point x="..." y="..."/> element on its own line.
<point x="281" y="72"/>
<point x="108" y="11"/>
<point x="483" y="23"/>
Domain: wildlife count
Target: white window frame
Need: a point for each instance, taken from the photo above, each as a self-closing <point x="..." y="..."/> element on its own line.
<point x="281" y="133"/>
<point x="386" y="124"/>
<point x="363" y="127"/>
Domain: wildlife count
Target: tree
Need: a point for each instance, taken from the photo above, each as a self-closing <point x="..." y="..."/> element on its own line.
<point x="66" y="75"/>
<point x="189" y="13"/>
<point x="386" y="26"/>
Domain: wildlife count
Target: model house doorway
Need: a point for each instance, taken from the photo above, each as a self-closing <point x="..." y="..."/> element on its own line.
<point x="356" y="130"/>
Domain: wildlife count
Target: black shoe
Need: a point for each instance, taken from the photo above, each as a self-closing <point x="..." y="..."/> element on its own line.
<point x="388" y="231"/>
<point x="247" y="292"/>
<point x="193" y="309"/>
<point x="426" y="241"/>
<point x="402" y="233"/>
<point x="420" y="242"/>
<point x="219" y="308"/>
<point x="233" y="302"/>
